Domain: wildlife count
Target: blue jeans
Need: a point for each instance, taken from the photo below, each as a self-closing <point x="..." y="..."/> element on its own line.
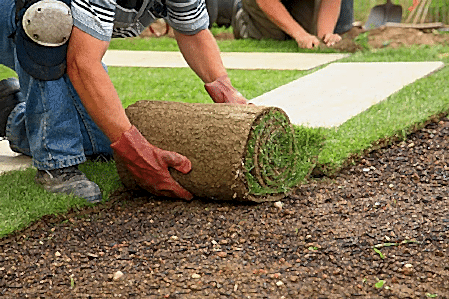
<point x="346" y="18"/>
<point x="50" y="124"/>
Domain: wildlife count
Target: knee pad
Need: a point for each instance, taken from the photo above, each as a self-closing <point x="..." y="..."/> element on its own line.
<point x="43" y="29"/>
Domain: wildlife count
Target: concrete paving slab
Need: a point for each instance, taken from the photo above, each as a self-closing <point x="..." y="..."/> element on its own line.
<point x="10" y="160"/>
<point x="334" y="94"/>
<point x="231" y="60"/>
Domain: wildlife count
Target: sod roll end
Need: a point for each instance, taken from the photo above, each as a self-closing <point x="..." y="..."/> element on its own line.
<point x="238" y="152"/>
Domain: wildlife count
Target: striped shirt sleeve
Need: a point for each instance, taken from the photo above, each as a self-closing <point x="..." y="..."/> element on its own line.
<point x="95" y="17"/>
<point x="187" y="16"/>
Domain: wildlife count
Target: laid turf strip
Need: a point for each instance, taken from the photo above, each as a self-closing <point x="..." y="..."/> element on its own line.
<point x="237" y="152"/>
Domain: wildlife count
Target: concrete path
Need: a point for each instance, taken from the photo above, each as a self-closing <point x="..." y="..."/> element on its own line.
<point x="339" y="91"/>
<point x="231" y="60"/>
<point x="326" y="98"/>
<point x="10" y="160"/>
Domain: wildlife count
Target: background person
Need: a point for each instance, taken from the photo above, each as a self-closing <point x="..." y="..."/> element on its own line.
<point x="306" y="21"/>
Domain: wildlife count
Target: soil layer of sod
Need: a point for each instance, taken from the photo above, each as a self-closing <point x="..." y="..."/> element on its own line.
<point x="238" y="152"/>
<point x="379" y="229"/>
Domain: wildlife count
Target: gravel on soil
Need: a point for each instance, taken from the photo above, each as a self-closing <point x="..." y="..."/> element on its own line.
<point x="378" y="229"/>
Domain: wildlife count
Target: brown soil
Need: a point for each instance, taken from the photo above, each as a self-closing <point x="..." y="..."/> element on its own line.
<point x="320" y="244"/>
<point x="389" y="37"/>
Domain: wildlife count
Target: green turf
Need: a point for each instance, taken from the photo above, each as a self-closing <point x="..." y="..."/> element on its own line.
<point x="247" y="45"/>
<point x="23" y="202"/>
<point x="6" y="72"/>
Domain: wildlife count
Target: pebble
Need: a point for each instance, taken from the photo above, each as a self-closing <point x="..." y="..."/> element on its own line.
<point x="278" y="205"/>
<point x="196" y="276"/>
<point x="117" y="275"/>
<point x="279" y="283"/>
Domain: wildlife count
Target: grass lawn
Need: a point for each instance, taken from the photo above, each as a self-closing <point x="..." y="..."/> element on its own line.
<point x="23" y="202"/>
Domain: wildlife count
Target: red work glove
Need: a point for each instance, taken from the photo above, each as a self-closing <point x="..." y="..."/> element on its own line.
<point x="222" y="91"/>
<point x="149" y="164"/>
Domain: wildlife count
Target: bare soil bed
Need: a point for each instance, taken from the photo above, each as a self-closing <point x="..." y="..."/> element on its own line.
<point x="378" y="229"/>
<point x="389" y="37"/>
<point x="321" y="244"/>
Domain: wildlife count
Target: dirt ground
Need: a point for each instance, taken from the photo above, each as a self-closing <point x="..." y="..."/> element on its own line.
<point x="378" y="229"/>
<point x="389" y="37"/>
<point x="320" y="244"/>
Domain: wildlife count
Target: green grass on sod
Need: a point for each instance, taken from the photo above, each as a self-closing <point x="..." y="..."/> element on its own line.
<point x="22" y="202"/>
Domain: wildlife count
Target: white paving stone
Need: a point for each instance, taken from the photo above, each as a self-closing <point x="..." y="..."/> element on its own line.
<point x="334" y="94"/>
<point x="231" y="60"/>
<point x="10" y="160"/>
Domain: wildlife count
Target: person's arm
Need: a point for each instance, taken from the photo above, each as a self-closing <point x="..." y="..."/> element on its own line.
<point x="278" y="14"/>
<point x="201" y="52"/>
<point x="148" y="164"/>
<point x="93" y="84"/>
<point x="327" y="19"/>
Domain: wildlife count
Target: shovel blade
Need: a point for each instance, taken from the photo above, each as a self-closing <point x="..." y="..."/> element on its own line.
<point x="382" y="14"/>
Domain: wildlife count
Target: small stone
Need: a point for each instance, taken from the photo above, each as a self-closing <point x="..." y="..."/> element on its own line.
<point x="222" y="254"/>
<point x="279" y="283"/>
<point x="117" y="275"/>
<point x="174" y="238"/>
<point x="278" y="205"/>
<point x="92" y="255"/>
<point x="294" y="278"/>
<point x="408" y="265"/>
<point x="57" y="254"/>
<point x="196" y="276"/>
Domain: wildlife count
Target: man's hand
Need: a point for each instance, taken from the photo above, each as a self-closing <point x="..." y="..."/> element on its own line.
<point x="149" y="164"/>
<point x="331" y="39"/>
<point x="307" y="41"/>
<point x="222" y="91"/>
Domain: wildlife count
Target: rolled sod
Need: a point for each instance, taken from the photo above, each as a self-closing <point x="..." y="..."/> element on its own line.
<point x="238" y="152"/>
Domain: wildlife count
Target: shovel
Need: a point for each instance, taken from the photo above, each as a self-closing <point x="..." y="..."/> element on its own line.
<point x="381" y="14"/>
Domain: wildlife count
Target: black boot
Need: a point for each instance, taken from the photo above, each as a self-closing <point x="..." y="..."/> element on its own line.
<point x="8" y="100"/>
<point x="69" y="180"/>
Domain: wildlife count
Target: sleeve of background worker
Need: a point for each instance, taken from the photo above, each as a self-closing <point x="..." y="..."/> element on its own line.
<point x="187" y="17"/>
<point x="95" y="17"/>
